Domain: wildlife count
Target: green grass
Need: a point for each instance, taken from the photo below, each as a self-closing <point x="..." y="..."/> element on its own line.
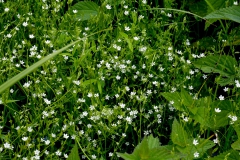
<point x="98" y="86"/>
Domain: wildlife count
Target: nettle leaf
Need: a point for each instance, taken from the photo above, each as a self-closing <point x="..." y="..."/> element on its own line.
<point x="229" y="155"/>
<point x="179" y="136"/>
<point x="85" y="10"/>
<point x="203" y="116"/>
<point x="74" y="155"/>
<point x="175" y="97"/>
<point x="229" y="13"/>
<point x="236" y="145"/>
<point x="222" y="64"/>
<point x="150" y="149"/>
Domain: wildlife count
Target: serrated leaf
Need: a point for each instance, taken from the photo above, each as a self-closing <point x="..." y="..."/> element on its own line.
<point x="229" y="13"/>
<point x="179" y="136"/>
<point x="202" y="116"/>
<point x="229" y="155"/>
<point x="153" y="142"/>
<point x="188" y="101"/>
<point x="221" y="64"/>
<point x="74" y="155"/>
<point x="236" y="145"/>
<point x="85" y="10"/>
<point x="215" y="5"/>
<point x="175" y="97"/>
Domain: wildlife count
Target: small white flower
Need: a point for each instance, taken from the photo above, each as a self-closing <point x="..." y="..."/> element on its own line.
<point x="25" y="24"/>
<point x="126" y="13"/>
<point x="195" y="142"/>
<point x="65" y="136"/>
<point x="108" y="6"/>
<point x="31" y="36"/>
<point x="221" y="97"/>
<point x="217" y="110"/>
<point x="6" y="9"/>
<point x="196" y="154"/>
<point x="25" y="138"/>
<point x="136" y="38"/>
<point x="144" y="1"/>
<point x="225" y="89"/>
<point x="235" y="3"/>
<point x="127" y="28"/>
<point x="215" y="140"/>
<point x="75" y="11"/>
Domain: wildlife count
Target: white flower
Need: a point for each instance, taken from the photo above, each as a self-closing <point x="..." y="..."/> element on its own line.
<point x="31" y="36"/>
<point x="196" y="154"/>
<point x="126" y="13"/>
<point x="136" y="38"/>
<point x="144" y="1"/>
<point x="108" y="6"/>
<point x="58" y="153"/>
<point x="221" y="97"/>
<point x="217" y="110"/>
<point x="75" y="11"/>
<point x="127" y="28"/>
<point x="225" y="89"/>
<point x="25" y="138"/>
<point x="195" y="142"/>
<point x="25" y="24"/>
<point x="65" y="136"/>
<point x="235" y="3"/>
<point x="6" y="9"/>
<point x="215" y="140"/>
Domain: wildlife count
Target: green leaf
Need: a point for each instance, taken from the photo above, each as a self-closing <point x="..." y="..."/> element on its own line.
<point x="228" y="155"/>
<point x="130" y="46"/>
<point x="236" y="145"/>
<point x="150" y="149"/>
<point x="221" y="64"/>
<point x="202" y="116"/>
<point x="30" y="69"/>
<point x="188" y="101"/>
<point x="175" y="97"/>
<point x="179" y="136"/>
<point x="85" y="10"/>
<point x="229" y="13"/>
<point x="88" y="82"/>
<point x="74" y="155"/>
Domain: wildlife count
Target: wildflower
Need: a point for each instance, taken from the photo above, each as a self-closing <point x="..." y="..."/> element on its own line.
<point x="75" y="11"/>
<point x="25" y="138"/>
<point x="217" y="110"/>
<point x="144" y="1"/>
<point x="36" y="152"/>
<point x="195" y="142"/>
<point x="225" y="89"/>
<point x="65" y="136"/>
<point x="25" y="24"/>
<point x="65" y="155"/>
<point x="31" y="36"/>
<point x="127" y="28"/>
<point x="47" y="142"/>
<point x="108" y="6"/>
<point x="110" y="154"/>
<point x="6" y="9"/>
<point x="126" y="13"/>
<point x="235" y="3"/>
<point x="196" y="154"/>
<point x="221" y="97"/>
<point x="215" y="140"/>
<point x="9" y="35"/>
<point x="58" y="153"/>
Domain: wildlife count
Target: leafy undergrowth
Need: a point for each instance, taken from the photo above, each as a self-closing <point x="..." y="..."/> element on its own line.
<point x="101" y="79"/>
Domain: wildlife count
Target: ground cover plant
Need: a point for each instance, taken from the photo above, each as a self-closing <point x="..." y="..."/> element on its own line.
<point x="112" y="79"/>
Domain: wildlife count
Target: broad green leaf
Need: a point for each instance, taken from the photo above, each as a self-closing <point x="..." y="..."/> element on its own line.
<point x="153" y="142"/>
<point x="228" y="155"/>
<point x="203" y="116"/>
<point x="215" y="5"/>
<point x="222" y="64"/>
<point x="175" y="97"/>
<point x="236" y="145"/>
<point x="188" y="101"/>
<point x="179" y="136"/>
<point x="85" y="10"/>
<point x="229" y="13"/>
<point x="74" y="155"/>
<point x="150" y="149"/>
